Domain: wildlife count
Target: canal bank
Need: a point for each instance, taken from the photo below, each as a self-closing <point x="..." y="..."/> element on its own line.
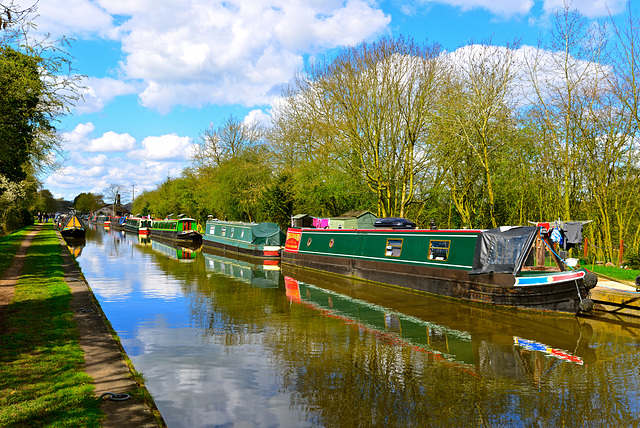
<point x="104" y="359"/>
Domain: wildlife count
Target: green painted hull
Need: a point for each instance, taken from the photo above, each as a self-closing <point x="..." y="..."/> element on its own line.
<point x="438" y="262"/>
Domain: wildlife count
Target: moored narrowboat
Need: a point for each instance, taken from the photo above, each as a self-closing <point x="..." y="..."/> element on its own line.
<point x="510" y="266"/>
<point x="103" y="220"/>
<point x="261" y="240"/>
<point x="72" y="227"/>
<point x="138" y="225"/>
<point x="181" y="229"/>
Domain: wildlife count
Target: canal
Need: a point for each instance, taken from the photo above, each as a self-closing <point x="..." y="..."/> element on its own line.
<point x="223" y="342"/>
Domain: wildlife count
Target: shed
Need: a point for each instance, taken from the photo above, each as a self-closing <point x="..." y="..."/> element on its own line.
<point x="354" y="219"/>
<point x="301" y="220"/>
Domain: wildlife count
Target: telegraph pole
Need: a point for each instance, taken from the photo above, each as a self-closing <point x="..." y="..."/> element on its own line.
<point x="133" y="192"/>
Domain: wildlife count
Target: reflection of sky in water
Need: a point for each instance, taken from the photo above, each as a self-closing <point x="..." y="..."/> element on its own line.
<point x="195" y="382"/>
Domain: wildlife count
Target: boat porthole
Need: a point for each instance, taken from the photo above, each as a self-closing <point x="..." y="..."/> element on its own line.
<point x="331" y="243"/>
<point x="308" y="242"/>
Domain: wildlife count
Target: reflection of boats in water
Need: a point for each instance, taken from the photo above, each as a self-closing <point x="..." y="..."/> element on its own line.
<point x="264" y="275"/>
<point x="510" y="344"/>
<point x="75" y="246"/>
<point x="175" y="252"/>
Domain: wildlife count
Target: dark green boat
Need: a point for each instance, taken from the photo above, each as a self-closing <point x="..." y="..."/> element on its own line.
<point x="181" y="230"/>
<point x="513" y="267"/>
<point x="261" y="240"/>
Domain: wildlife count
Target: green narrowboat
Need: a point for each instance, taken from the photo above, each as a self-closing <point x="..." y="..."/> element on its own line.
<point x="261" y="240"/>
<point x="104" y="220"/>
<point x="138" y="225"/>
<point x="507" y="266"/>
<point x="181" y="230"/>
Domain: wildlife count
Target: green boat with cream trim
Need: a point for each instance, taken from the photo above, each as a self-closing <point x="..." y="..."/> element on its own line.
<point x="261" y="240"/>
<point x="180" y="230"/>
<point x="138" y="225"/>
<point x="510" y="266"/>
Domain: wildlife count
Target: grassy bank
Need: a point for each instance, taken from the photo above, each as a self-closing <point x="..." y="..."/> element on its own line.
<point x="42" y="382"/>
<point x="613" y="272"/>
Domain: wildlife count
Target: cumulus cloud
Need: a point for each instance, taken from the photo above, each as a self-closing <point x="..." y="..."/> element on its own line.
<point x="97" y="92"/>
<point x="73" y="18"/>
<point x="164" y="148"/>
<point x="111" y="142"/>
<point x="211" y="52"/>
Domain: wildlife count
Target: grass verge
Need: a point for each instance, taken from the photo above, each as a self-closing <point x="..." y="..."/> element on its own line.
<point x="9" y="246"/>
<point x="613" y="272"/>
<point x="42" y="382"/>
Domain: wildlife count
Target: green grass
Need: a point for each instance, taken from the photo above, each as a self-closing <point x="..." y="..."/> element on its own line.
<point x="9" y="246"/>
<point x="42" y="382"/>
<point x="613" y="272"/>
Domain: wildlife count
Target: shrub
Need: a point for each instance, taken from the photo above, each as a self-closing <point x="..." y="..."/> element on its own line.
<point x="632" y="259"/>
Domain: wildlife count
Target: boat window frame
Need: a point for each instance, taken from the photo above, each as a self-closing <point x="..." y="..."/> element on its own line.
<point x="448" y="248"/>
<point x="388" y="252"/>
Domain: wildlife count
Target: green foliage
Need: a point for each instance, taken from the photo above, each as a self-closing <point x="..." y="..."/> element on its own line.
<point x="87" y="202"/>
<point x="21" y="114"/>
<point x="632" y="259"/>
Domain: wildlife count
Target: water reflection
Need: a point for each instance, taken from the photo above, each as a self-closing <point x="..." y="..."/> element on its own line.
<point x="223" y="341"/>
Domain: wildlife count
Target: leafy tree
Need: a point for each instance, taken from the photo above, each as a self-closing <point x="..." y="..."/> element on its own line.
<point x="87" y="202"/>
<point x="370" y="108"/>
<point x="35" y="93"/>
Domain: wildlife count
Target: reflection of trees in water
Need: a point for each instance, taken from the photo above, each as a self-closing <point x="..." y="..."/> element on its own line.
<point x="343" y="374"/>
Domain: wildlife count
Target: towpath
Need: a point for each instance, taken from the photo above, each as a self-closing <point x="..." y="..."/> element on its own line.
<point x="104" y="361"/>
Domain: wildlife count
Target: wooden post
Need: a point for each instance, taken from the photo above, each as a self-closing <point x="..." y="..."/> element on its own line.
<point x="586" y="247"/>
<point x="620" y="252"/>
<point x="539" y="252"/>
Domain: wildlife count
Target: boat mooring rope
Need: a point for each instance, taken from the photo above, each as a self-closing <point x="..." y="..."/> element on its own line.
<point x="115" y="397"/>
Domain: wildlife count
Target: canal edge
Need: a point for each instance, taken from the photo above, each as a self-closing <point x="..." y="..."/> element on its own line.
<point x="106" y="361"/>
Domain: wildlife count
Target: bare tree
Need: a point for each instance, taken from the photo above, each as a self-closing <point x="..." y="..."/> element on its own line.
<point x="230" y="139"/>
<point x="370" y="108"/>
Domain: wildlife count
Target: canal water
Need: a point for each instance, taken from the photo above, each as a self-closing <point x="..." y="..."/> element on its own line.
<point x="226" y="343"/>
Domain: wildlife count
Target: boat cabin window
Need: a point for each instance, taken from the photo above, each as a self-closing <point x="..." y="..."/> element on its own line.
<point x="438" y="250"/>
<point x="223" y="231"/>
<point x="394" y="248"/>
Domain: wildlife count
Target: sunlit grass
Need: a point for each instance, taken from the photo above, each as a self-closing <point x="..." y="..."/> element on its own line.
<point x="42" y="382"/>
<point x="613" y="272"/>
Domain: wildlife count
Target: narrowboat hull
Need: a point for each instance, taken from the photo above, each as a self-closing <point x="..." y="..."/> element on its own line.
<point x="257" y="251"/>
<point x="554" y="292"/>
<point x="74" y="232"/>
<point x="257" y="240"/>
<point x="186" y="236"/>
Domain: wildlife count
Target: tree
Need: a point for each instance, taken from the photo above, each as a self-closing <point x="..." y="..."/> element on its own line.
<point x="87" y="202"/>
<point x="369" y="107"/>
<point x="35" y="93"/>
<point x="476" y="120"/>
<point x="230" y="139"/>
<point x="561" y="76"/>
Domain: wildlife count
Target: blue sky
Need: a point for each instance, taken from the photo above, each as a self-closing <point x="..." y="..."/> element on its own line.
<point x="158" y="72"/>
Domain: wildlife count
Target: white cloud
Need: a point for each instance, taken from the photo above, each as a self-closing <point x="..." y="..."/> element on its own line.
<point x="224" y="52"/>
<point x="112" y="142"/>
<point x="98" y="92"/>
<point x="589" y="8"/>
<point x="73" y="18"/>
<point x="75" y="139"/>
<point x="169" y="147"/>
<point x="257" y="116"/>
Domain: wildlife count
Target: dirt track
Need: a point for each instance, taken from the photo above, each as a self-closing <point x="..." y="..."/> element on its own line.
<point x="104" y="361"/>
